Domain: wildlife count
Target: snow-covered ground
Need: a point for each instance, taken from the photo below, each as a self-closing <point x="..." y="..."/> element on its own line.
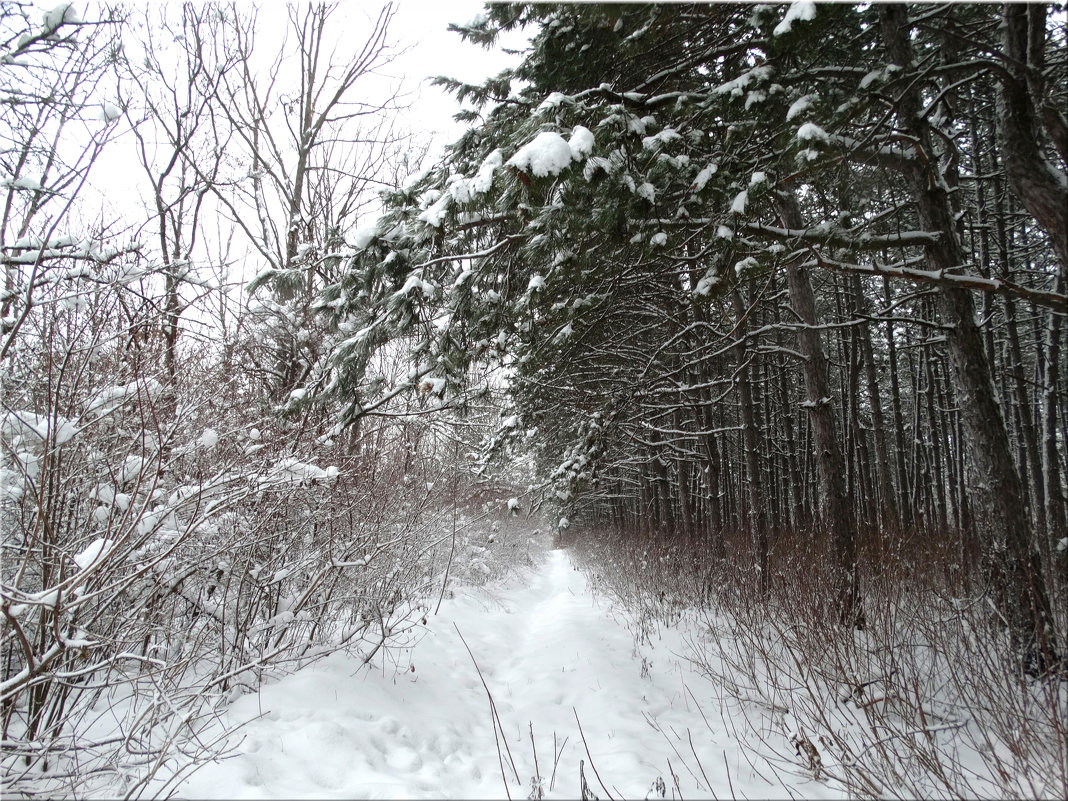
<point x="553" y="655"/>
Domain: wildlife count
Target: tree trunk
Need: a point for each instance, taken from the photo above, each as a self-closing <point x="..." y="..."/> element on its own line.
<point x="751" y="444"/>
<point x="834" y="502"/>
<point x="1000" y="502"/>
<point x="1040" y="186"/>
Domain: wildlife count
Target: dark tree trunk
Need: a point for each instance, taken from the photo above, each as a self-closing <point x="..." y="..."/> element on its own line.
<point x="834" y="503"/>
<point x="751" y="445"/>
<point x="999" y="499"/>
<point x="1040" y="186"/>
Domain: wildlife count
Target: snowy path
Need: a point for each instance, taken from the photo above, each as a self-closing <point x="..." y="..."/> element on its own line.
<point x="544" y="645"/>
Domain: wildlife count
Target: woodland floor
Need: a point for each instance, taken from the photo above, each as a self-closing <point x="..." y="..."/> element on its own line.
<point x="553" y="655"/>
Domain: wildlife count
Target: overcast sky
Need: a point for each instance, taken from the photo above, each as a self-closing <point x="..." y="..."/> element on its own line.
<point x="419" y="29"/>
<point x="422" y="25"/>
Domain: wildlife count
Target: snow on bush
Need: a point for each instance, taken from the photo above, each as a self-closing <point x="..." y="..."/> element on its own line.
<point x="803" y="10"/>
<point x="799" y="107"/>
<point x="810" y="132"/>
<point x="549" y="153"/>
<point x="738" y="204"/>
<point x="703" y="176"/>
<point x="581" y="142"/>
<point x="94" y="552"/>
<point x="28" y="429"/>
<point x="63" y="14"/>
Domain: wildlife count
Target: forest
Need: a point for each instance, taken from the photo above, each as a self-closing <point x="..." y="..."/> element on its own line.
<point x="760" y="309"/>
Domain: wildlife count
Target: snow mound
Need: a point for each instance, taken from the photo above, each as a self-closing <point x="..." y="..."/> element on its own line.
<point x="803" y="10"/>
<point x="96" y="551"/>
<point x="549" y="153"/>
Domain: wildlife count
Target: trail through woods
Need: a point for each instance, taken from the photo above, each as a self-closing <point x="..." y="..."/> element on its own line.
<point x="549" y="650"/>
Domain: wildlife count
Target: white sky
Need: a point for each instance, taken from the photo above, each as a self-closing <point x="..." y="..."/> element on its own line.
<point x="419" y="30"/>
<point x="423" y="26"/>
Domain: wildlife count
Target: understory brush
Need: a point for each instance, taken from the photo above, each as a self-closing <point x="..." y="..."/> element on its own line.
<point x="926" y="700"/>
<point x="159" y="561"/>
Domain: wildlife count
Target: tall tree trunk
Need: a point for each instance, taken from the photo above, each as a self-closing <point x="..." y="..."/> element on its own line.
<point x="888" y="518"/>
<point x="1000" y="501"/>
<point x="751" y="444"/>
<point x="1041" y="187"/>
<point x="1032" y="464"/>
<point x="1054" y="490"/>
<point x="903" y="493"/>
<point x="835" y="506"/>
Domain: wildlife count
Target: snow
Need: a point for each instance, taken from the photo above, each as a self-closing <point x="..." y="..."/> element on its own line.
<point x="35" y="428"/>
<point x="737" y="86"/>
<point x="464" y="190"/>
<point x="110" y="399"/>
<point x="365" y="235"/>
<point x="435" y="213"/>
<point x="745" y="264"/>
<point x="659" y="239"/>
<point x="536" y="282"/>
<point x="702" y="177"/>
<point x="594" y="163"/>
<point x="109" y="111"/>
<point x="293" y="471"/>
<point x="810" y="132"/>
<point x="416" y="281"/>
<point x="96" y="551"/>
<point x="738" y="204"/>
<point x="553" y="100"/>
<point x="62" y="14"/>
<point x="709" y="280"/>
<point x="29" y="184"/>
<point x="880" y="75"/>
<point x="552" y="656"/>
<point x="209" y="439"/>
<point x="664" y="137"/>
<point x="581" y="142"/>
<point x="484" y="179"/>
<point x="547" y="154"/>
<point x="800" y="106"/>
<point x="803" y="10"/>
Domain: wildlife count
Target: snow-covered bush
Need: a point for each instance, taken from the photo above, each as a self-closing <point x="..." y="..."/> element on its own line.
<point x="927" y="700"/>
<point x="162" y="555"/>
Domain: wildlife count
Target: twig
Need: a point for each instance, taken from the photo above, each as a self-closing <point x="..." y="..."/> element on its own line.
<point x="556" y="760"/>
<point x="534" y="748"/>
<point x="452" y="546"/>
<point x="656" y="727"/>
<point x="708" y="784"/>
<point x="675" y="778"/>
<point x="595" y="773"/>
<point x="495" y="719"/>
<point x="728" y="767"/>
<point x="699" y="709"/>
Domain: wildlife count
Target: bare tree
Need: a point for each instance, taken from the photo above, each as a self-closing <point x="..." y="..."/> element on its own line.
<point x="313" y="149"/>
<point x="181" y="140"/>
<point x="58" y="116"/>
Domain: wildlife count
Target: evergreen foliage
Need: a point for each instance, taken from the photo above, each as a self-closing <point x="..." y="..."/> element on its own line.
<point x="658" y="209"/>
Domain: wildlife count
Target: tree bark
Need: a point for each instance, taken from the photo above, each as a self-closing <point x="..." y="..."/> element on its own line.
<point x="834" y="502"/>
<point x="751" y="444"/>
<point x="1041" y="187"/>
<point x="1005" y="530"/>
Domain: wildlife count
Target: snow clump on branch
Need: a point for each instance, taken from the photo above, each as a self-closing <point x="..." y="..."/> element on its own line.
<point x="549" y="153"/>
<point x="804" y="10"/>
